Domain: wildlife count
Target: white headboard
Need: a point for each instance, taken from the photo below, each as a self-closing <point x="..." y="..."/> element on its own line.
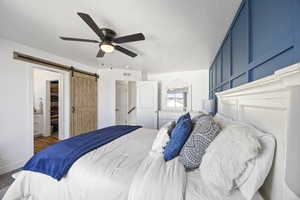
<point x="272" y="104"/>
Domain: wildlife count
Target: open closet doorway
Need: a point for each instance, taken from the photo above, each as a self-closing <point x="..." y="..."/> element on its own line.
<point x="47" y="107"/>
<point x="126" y="102"/>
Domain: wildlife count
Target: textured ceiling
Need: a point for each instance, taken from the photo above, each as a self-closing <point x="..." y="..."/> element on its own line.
<point x="180" y="35"/>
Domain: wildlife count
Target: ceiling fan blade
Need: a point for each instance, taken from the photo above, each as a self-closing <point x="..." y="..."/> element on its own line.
<point x="130" y="38"/>
<point x="100" y="54"/>
<point x="88" y="19"/>
<point x="79" y="39"/>
<point x="126" y="51"/>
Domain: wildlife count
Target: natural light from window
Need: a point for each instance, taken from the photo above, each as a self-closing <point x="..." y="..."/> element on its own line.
<point x="177" y="99"/>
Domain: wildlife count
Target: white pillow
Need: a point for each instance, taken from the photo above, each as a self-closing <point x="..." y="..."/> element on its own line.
<point x="222" y="120"/>
<point x="169" y="126"/>
<point x="163" y="137"/>
<point x="258" y="169"/>
<point x="227" y="156"/>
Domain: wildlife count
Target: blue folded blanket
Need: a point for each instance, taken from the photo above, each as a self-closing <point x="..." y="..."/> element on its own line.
<point x="57" y="159"/>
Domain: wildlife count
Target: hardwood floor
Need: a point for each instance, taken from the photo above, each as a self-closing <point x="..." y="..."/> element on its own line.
<point x="42" y="142"/>
<point x="55" y="135"/>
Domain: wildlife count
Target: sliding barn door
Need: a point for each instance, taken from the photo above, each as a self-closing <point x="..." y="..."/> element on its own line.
<point x="84" y="103"/>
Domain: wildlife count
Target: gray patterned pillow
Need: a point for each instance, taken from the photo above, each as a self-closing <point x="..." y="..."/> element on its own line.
<point x="196" y="117"/>
<point x="204" y="132"/>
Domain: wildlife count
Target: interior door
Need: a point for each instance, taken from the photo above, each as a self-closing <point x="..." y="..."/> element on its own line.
<point x="147" y="104"/>
<point x="121" y="102"/>
<point x="84" y="103"/>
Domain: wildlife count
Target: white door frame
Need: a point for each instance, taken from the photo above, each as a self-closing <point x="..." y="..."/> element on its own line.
<point x="117" y="83"/>
<point x="141" y="109"/>
<point x="64" y="100"/>
<point x="47" y="110"/>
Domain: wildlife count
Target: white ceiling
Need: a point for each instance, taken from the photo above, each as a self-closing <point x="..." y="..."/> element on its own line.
<point x="180" y="34"/>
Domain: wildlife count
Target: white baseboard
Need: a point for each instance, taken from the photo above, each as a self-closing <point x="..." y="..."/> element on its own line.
<point x="12" y="166"/>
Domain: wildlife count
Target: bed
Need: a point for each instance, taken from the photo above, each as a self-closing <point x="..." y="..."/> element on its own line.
<point x="104" y="173"/>
<point x="108" y="172"/>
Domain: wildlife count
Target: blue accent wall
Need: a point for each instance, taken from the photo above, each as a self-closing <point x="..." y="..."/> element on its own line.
<point x="263" y="37"/>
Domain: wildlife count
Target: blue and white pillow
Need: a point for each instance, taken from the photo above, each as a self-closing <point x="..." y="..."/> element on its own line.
<point x="204" y="132"/>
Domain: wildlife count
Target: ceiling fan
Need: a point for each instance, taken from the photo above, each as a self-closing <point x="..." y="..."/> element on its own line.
<point x="108" y="41"/>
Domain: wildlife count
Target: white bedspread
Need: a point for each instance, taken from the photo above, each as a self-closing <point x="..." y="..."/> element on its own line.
<point x="121" y="170"/>
<point x="104" y="173"/>
<point x="158" y="180"/>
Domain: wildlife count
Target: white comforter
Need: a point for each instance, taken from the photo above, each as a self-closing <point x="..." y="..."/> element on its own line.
<point x="124" y="169"/>
<point x="104" y="173"/>
<point x="156" y="179"/>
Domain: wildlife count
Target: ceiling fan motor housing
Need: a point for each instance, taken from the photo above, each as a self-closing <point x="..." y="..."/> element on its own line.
<point x="108" y="34"/>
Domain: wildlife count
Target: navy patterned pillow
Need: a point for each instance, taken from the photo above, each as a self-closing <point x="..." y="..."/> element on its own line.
<point x="204" y="132"/>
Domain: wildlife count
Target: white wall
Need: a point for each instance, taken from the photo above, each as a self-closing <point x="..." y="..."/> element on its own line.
<point x="40" y="78"/>
<point x="16" y="117"/>
<point x="197" y="80"/>
<point x="107" y="93"/>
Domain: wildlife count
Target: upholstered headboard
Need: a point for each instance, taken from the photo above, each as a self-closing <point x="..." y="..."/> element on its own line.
<point x="272" y="104"/>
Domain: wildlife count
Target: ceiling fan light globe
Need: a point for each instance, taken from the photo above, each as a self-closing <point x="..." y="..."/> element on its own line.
<point x="107" y="48"/>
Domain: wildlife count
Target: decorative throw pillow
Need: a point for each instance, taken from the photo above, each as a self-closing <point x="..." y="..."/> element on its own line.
<point x="163" y="137"/>
<point x="204" y="132"/>
<point x="195" y="114"/>
<point x="196" y="117"/>
<point x="179" y="136"/>
<point x="183" y="117"/>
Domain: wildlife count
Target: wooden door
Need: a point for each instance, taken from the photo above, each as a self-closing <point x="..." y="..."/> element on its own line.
<point x="83" y="103"/>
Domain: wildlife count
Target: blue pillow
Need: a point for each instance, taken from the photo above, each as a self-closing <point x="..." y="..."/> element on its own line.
<point x="183" y="117"/>
<point x="179" y="136"/>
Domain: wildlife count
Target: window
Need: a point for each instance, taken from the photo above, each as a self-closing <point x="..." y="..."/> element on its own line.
<point x="177" y="98"/>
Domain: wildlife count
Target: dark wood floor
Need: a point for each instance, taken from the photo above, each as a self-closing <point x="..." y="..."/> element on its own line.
<point x="42" y="142"/>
